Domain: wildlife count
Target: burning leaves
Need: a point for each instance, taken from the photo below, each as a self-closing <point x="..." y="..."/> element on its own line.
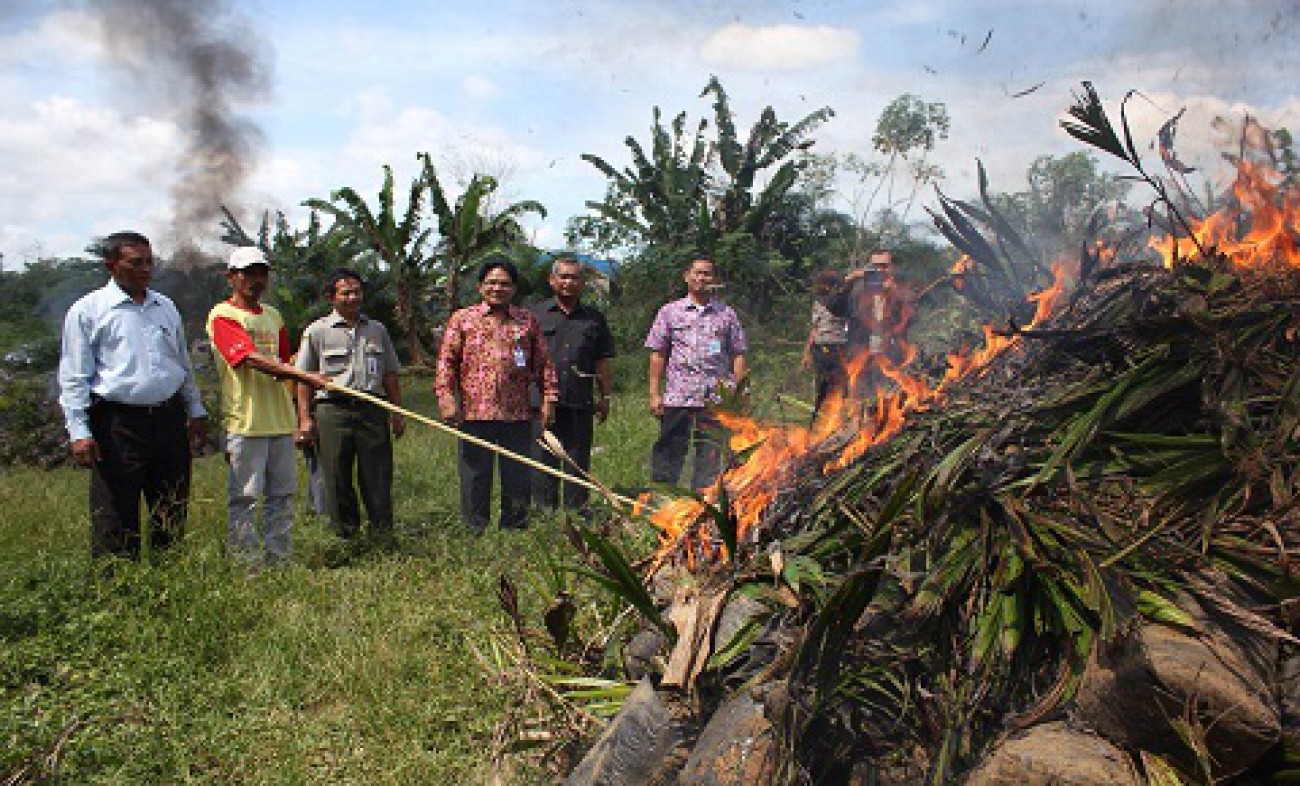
<point x="1123" y="457"/>
<point x="1271" y="218"/>
<point x="1050" y="489"/>
<point x="779" y="456"/>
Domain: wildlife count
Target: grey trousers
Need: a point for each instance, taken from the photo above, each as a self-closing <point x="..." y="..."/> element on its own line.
<point x="573" y="427"/>
<point x="265" y="470"/>
<point x="679" y="428"/>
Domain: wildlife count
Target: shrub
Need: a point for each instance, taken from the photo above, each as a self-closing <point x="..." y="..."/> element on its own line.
<point x="31" y="425"/>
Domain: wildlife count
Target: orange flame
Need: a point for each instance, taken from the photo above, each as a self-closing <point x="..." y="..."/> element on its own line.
<point x="779" y="451"/>
<point x="1270" y="239"/>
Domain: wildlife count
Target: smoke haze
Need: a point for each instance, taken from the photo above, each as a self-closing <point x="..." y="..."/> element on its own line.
<point x="200" y="64"/>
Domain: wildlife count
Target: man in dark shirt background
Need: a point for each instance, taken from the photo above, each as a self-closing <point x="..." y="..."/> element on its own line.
<point x="581" y="346"/>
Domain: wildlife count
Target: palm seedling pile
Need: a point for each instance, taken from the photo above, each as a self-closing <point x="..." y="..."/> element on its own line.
<point x="1131" y="460"/>
<point x="1076" y="550"/>
<point x="1138" y="449"/>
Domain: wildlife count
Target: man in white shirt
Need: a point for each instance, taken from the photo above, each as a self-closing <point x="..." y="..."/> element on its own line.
<point x="129" y="399"/>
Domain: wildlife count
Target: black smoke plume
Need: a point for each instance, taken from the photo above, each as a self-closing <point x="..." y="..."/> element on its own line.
<point x="199" y="63"/>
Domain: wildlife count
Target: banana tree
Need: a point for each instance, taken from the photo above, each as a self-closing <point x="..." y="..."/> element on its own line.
<point x="468" y="231"/>
<point x="401" y="245"/>
<point x="771" y="142"/>
<point x="662" y="197"/>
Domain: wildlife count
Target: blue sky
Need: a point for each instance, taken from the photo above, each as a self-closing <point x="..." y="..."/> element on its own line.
<point x="522" y="89"/>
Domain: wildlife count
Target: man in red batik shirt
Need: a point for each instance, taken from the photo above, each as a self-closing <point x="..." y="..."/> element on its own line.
<point x="490" y="353"/>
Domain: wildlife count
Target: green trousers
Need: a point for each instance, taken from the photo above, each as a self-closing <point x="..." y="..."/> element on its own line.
<point x="353" y="438"/>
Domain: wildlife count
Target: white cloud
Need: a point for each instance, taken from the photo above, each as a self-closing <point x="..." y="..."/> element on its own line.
<point x="779" y="47"/>
<point x="78" y="155"/>
<point x="392" y="134"/>
<point x="60" y="36"/>
<point x="389" y="133"/>
<point x="77" y="167"/>
<point x="479" y="87"/>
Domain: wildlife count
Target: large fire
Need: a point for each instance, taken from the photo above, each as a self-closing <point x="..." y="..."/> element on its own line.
<point x="780" y="450"/>
<point x="1272" y="215"/>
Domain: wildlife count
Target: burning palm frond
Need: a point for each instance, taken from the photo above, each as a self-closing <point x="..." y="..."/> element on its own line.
<point x="1091" y="125"/>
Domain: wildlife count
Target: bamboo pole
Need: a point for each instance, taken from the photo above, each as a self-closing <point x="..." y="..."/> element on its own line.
<point x="482" y="443"/>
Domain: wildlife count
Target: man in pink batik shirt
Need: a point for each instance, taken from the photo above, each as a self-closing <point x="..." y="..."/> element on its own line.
<point x="695" y="343"/>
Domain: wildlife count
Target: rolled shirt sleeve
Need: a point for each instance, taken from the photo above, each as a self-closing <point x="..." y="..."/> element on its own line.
<point x="231" y="340"/>
<point x="657" y="340"/>
<point x="76" y="372"/>
<point x="284" y="346"/>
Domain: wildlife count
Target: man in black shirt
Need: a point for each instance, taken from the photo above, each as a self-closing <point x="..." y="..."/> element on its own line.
<point x="581" y="346"/>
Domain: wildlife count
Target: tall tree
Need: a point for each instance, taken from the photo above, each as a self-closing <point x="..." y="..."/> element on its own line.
<point x="727" y="194"/>
<point x="690" y="191"/>
<point x="662" y="196"/>
<point x="770" y="142"/>
<point x="907" y="127"/>
<point x="400" y="243"/>
<point x="468" y="233"/>
<point x="1062" y="195"/>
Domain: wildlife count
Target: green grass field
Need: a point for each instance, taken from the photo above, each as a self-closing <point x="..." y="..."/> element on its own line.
<point x="191" y="669"/>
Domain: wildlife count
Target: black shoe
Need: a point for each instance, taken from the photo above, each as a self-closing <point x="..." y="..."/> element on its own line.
<point x="383" y="540"/>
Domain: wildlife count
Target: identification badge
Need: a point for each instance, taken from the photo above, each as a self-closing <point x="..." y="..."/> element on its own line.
<point x="715" y="347"/>
<point x="520" y="360"/>
<point x="372" y="367"/>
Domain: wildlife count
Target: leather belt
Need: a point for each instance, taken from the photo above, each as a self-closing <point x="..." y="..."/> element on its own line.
<point x="142" y="409"/>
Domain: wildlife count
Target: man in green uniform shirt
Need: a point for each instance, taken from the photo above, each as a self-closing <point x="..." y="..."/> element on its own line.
<point x="351" y="435"/>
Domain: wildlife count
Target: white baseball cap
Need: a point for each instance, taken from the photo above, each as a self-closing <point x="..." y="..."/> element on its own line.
<point x="245" y="257"/>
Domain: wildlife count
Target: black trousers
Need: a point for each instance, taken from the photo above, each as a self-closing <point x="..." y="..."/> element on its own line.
<point x="354" y="438"/>
<point x="678" y="428"/>
<point x="475" y="469"/>
<point x="828" y="367"/>
<point x="573" y="427"/>
<point x="144" y="451"/>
